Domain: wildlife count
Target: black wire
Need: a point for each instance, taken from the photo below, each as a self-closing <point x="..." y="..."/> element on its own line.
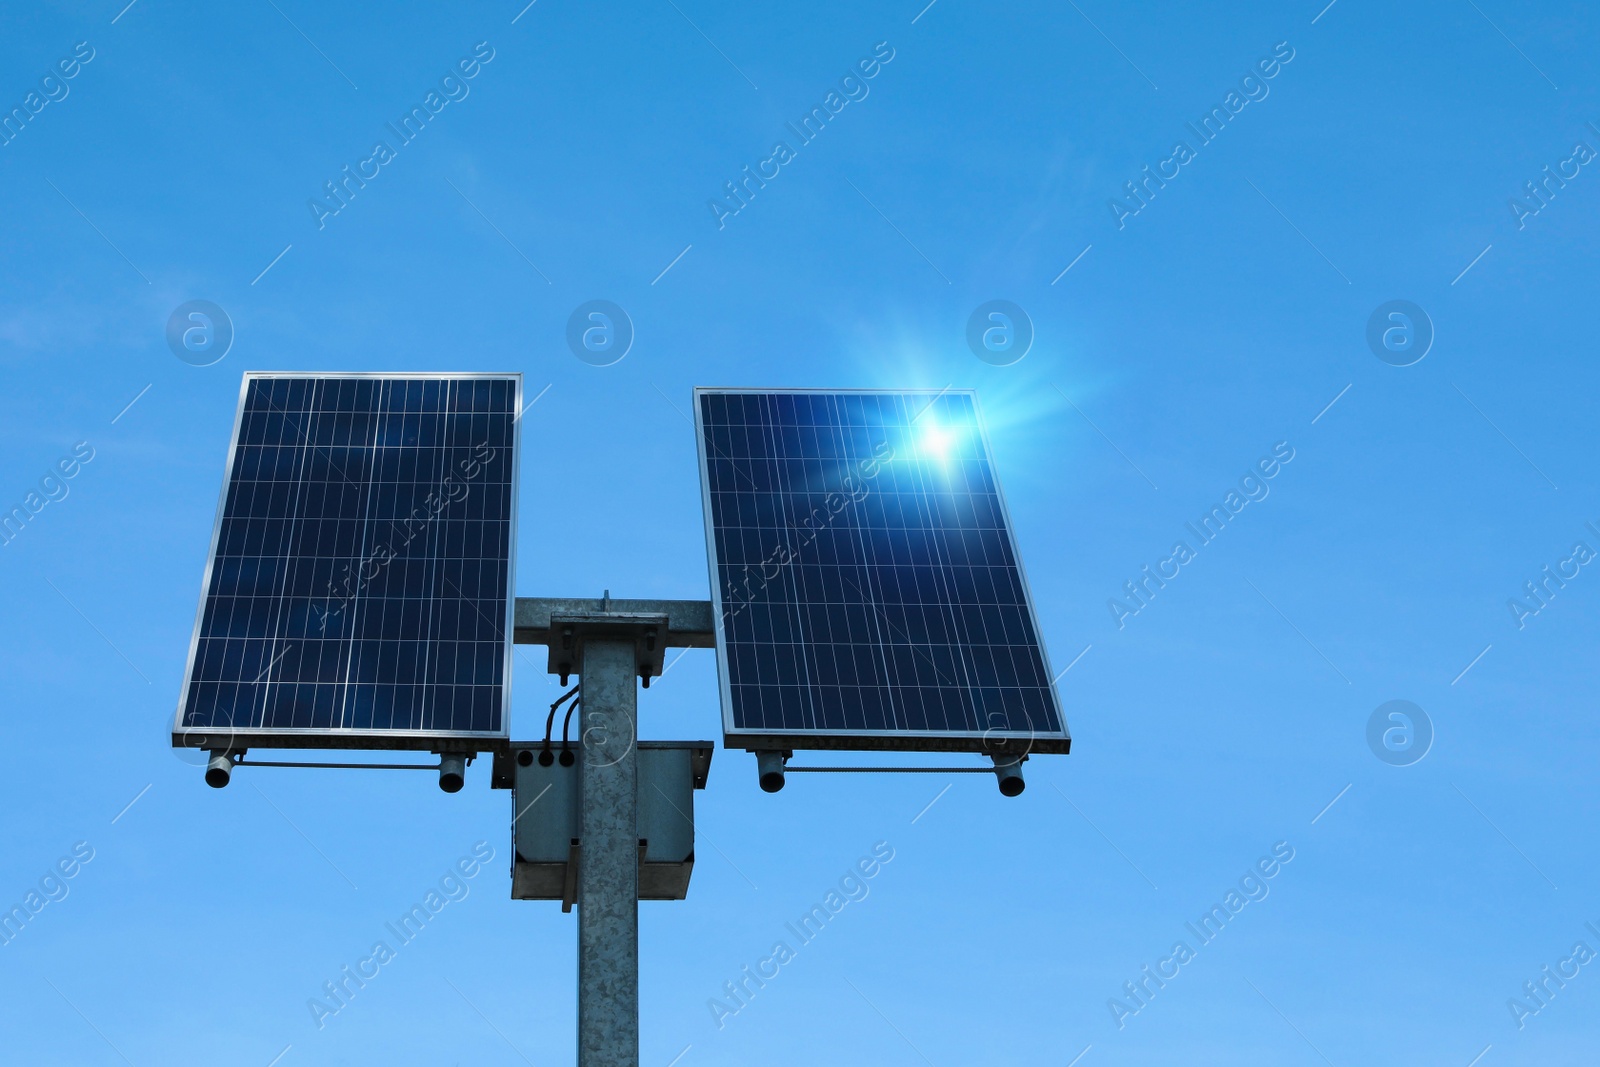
<point x="566" y="721"/>
<point x="550" y="723"/>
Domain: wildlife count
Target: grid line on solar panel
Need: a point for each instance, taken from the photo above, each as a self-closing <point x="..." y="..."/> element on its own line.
<point x="360" y="573"/>
<point x="864" y="569"/>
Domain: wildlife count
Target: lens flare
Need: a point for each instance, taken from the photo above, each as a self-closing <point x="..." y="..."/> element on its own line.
<point x="936" y="441"/>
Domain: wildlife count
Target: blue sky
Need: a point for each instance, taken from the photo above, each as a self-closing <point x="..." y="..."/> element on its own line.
<point x="980" y="161"/>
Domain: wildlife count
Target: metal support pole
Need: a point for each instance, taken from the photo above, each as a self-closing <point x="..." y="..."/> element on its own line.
<point x="608" y="870"/>
<point x="609" y="643"/>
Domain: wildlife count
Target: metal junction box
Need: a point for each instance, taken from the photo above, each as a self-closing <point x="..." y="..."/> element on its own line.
<point x="546" y="834"/>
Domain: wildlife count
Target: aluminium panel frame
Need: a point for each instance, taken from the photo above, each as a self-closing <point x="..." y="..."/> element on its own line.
<point x="241" y="739"/>
<point x="981" y="741"/>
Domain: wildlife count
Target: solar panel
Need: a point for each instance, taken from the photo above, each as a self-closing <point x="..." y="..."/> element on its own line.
<point x="358" y="590"/>
<point x="865" y="576"/>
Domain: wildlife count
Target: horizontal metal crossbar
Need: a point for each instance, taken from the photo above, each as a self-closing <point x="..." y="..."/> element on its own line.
<point x="690" y="623"/>
<point x="890" y="770"/>
<point x="340" y="766"/>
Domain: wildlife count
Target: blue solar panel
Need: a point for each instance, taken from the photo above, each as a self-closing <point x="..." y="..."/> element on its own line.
<point x="358" y="592"/>
<point x="865" y="576"/>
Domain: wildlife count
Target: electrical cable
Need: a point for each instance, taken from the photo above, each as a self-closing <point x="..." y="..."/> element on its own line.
<point x="545" y="759"/>
<point x="567" y="758"/>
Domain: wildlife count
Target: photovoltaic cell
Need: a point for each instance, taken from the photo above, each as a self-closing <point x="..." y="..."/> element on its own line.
<point x="359" y="590"/>
<point x="865" y="575"/>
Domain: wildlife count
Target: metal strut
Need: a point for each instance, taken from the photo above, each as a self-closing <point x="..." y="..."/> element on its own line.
<point x="891" y="770"/>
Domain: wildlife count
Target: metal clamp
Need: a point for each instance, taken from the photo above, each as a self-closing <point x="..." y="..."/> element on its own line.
<point x="562" y="624"/>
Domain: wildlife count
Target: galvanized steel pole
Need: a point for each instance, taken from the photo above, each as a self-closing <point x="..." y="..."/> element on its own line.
<point x="608" y="864"/>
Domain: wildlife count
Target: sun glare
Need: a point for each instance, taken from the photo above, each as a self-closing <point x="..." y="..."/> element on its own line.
<point x="936" y="441"/>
